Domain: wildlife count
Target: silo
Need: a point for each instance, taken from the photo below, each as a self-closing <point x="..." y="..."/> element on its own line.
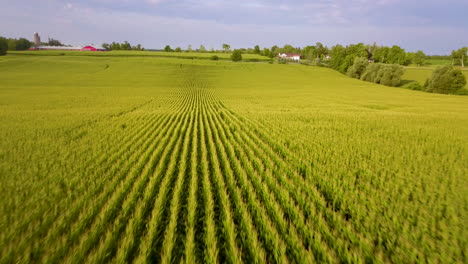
<point x="37" y="39"/>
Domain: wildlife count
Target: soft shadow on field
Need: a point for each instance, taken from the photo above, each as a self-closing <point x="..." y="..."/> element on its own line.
<point x="405" y="82"/>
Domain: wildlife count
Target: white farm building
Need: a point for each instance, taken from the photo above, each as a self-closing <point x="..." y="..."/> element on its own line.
<point x="290" y="56"/>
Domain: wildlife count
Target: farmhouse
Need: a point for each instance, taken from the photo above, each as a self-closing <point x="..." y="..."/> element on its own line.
<point x="290" y="56"/>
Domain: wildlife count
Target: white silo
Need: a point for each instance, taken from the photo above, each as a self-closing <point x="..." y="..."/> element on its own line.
<point x="37" y="39"/>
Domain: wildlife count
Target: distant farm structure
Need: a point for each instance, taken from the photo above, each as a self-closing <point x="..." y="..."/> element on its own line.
<point x="77" y="48"/>
<point x="290" y="56"/>
<point x="39" y="46"/>
<point x="37" y="39"/>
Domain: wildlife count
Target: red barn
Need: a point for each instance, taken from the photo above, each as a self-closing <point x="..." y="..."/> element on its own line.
<point x="89" y="48"/>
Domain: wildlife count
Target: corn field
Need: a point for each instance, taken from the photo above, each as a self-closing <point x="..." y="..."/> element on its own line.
<point x="170" y="161"/>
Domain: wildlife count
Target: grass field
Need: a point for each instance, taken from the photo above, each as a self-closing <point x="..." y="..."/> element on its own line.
<point x="142" y="159"/>
<point x="122" y="53"/>
<point x="422" y="74"/>
<point x="436" y="63"/>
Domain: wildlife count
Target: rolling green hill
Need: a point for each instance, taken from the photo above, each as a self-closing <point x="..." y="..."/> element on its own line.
<point x="132" y="53"/>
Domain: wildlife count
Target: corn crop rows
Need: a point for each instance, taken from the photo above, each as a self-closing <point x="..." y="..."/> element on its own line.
<point x="195" y="183"/>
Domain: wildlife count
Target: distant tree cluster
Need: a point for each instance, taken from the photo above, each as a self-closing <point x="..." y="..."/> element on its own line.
<point x="19" y="44"/>
<point x="236" y="55"/>
<point x="343" y="57"/>
<point x="385" y="74"/>
<point x="226" y="48"/>
<point x="445" y="80"/>
<point x="53" y="42"/>
<point x="460" y="56"/>
<point x="121" y="46"/>
<point x="3" y="46"/>
<point x="201" y="49"/>
<point x="14" y="44"/>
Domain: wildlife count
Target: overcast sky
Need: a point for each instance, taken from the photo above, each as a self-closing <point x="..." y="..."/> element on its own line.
<point x="435" y="26"/>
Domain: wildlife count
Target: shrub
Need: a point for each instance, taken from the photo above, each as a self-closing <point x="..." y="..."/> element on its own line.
<point x="413" y="86"/>
<point x="371" y="72"/>
<point x="384" y="74"/>
<point x="236" y="55"/>
<point x="445" y="80"/>
<point x="214" y="57"/>
<point x="358" y="68"/>
<point x="3" y="46"/>
<point x="462" y="92"/>
<point x="391" y="75"/>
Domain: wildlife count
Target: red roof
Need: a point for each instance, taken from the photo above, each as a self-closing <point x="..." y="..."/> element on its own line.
<point x="89" y="48"/>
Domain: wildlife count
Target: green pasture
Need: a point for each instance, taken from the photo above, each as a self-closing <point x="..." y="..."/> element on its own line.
<point x="436" y="63"/>
<point x="132" y="53"/>
<point x="422" y="74"/>
<point x="146" y="159"/>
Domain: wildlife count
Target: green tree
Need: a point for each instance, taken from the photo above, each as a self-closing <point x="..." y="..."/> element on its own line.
<point x="202" y="48"/>
<point x="257" y="49"/>
<point x="338" y="55"/>
<point x="445" y="80"/>
<point x="11" y="44"/>
<point x="139" y="47"/>
<point x="396" y="55"/>
<point x="309" y="53"/>
<point x="54" y="42"/>
<point x="226" y="47"/>
<point x="460" y="55"/>
<point x="23" y="44"/>
<point x="265" y="52"/>
<point x="346" y="63"/>
<point x="419" y="57"/>
<point x="125" y="46"/>
<point x="115" y="46"/>
<point x="275" y="50"/>
<point x="189" y="48"/>
<point x="371" y="74"/>
<point x="288" y="49"/>
<point x="168" y="49"/>
<point x="357" y="50"/>
<point x="320" y="50"/>
<point x="345" y="58"/>
<point x="358" y="68"/>
<point x="384" y="74"/>
<point x="178" y="49"/>
<point x="381" y="54"/>
<point x="3" y="46"/>
<point x="236" y="55"/>
<point x="391" y="75"/>
<point x="372" y="49"/>
<point x="106" y="46"/>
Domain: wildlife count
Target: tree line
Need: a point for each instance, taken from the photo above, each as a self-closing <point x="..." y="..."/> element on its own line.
<point x="373" y="63"/>
<point x="14" y="44"/>
<point x="122" y="46"/>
